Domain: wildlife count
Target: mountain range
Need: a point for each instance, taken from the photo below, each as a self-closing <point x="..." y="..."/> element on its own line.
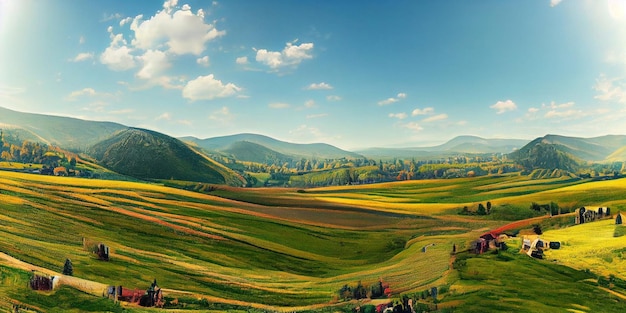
<point x="145" y="153"/>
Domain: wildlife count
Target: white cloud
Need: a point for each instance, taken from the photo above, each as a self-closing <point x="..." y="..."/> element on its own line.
<point x="333" y="98"/>
<point x="413" y="126"/>
<point x="388" y="101"/>
<point x="242" y="60"/>
<point x="423" y="111"/>
<point x="399" y="116"/>
<point x="278" y="105"/>
<point x="316" y="115"/>
<point x="86" y="92"/>
<point x="610" y="89"/>
<point x="564" y="114"/>
<point x="222" y="115"/>
<point x="503" y="106"/>
<point x="114" y="16"/>
<point x="309" y="104"/>
<point x="181" y="30"/>
<point x="117" y="56"/>
<point x="554" y="3"/>
<point x="533" y="110"/>
<point x="126" y="21"/>
<point x="435" y="118"/>
<point x="208" y="88"/>
<point x="291" y="55"/>
<point x="154" y="63"/>
<point x="204" y="61"/>
<point x="307" y="133"/>
<point x="165" y="116"/>
<point x="83" y="56"/>
<point x="320" y="86"/>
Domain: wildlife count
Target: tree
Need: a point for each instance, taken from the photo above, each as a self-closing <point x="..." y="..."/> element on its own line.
<point x="68" y="269"/>
<point x="488" y="207"/>
<point x="537" y="229"/>
<point x="481" y="209"/>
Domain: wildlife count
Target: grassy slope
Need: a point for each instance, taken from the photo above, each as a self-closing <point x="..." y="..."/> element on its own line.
<point x="268" y="248"/>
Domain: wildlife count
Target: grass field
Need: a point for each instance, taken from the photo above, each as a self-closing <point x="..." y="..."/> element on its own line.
<point x="269" y="249"/>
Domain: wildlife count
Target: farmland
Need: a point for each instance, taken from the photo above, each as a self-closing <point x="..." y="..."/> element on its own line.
<point x="269" y="249"/>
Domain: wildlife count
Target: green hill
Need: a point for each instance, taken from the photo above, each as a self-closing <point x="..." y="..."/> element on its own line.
<point x="294" y="150"/>
<point x="252" y="152"/>
<point x="542" y="154"/>
<point x="594" y="149"/>
<point x="147" y="154"/>
<point x="66" y="132"/>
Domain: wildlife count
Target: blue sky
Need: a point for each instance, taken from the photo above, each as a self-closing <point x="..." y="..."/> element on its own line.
<point x="353" y="74"/>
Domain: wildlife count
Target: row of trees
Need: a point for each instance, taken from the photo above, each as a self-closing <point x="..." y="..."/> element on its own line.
<point x="375" y="291"/>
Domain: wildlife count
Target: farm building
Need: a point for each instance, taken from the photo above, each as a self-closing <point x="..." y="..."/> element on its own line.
<point x="43" y="282"/>
<point x="534" y="246"/>
<point x="618" y="219"/>
<point x="590" y="214"/>
<point x="153" y="296"/>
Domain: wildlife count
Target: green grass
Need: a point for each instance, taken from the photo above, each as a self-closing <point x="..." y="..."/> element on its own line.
<point x="276" y="249"/>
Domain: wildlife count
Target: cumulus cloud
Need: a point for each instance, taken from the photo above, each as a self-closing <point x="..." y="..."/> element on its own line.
<point x="291" y="55"/>
<point x="423" y="111"/>
<point x="610" y="89"/>
<point x="333" y="98"/>
<point x="320" y="86"/>
<point x="388" y="101"/>
<point x="83" y="56"/>
<point x="154" y="63"/>
<point x="435" y="118"/>
<point x="242" y="60"/>
<point x="503" y="106"/>
<point x="204" y="61"/>
<point x="564" y="114"/>
<point x="208" y="88"/>
<point x="125" y="21"/>
<point x="118" y="55"/>
<point x="278" y="105"/>
<point x="181" y="30"/>
<point x="399" y="116"/>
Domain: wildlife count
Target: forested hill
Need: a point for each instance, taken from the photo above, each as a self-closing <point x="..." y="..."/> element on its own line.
<point x="66" y="132"/>
<point x="295" y="150"/>
<point x="147" y="154"/>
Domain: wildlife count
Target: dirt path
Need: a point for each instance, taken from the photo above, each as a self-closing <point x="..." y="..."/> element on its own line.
<point x="88" y="286"/>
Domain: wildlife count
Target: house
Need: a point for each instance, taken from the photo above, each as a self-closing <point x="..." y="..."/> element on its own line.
<point x="590" y="214"/>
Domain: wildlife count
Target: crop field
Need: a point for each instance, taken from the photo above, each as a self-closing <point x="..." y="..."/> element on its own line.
<point x="270" y="249"/>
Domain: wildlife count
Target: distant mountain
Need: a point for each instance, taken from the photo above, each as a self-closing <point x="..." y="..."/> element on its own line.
<point x="252" y="152"/>
<point x="596" y="149"/>
<point x="457" y="145"/>
<point x="294" y="150"/>
<point x="66" y="132"/>
<point x="147" y="154"/>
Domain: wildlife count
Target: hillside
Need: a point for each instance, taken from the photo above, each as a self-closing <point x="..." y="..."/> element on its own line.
<point x="147" y="154"/>
<point x="596" y="149"/>
<point x="252" y="152"/>
<point x="294" y="150"/>
<point x="66" y="132"/>
<point x="453" y="147"/>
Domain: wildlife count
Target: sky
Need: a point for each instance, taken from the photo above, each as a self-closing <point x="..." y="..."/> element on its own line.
<point x="354" y="74"/>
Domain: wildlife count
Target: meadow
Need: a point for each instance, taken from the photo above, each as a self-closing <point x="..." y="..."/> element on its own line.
<point x="276" y="249"/>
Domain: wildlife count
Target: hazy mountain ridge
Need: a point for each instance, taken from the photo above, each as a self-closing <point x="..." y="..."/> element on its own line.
<point x="66" y="132"/>
<point x="295" y="150"/>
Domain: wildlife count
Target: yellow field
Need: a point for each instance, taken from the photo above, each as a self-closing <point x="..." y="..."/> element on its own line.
<point x="590" y="246"/>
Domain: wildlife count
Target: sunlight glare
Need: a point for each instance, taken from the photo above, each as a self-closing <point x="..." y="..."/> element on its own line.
<point x="617" y="9"/>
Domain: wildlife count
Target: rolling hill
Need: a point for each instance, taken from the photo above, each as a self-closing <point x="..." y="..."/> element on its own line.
<point x="66" y="132"/>
<point x="595" y="149"/>
<point x="147" y="154"/>
<point x="252" y="152"/>
<point x="294" y="150"/>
